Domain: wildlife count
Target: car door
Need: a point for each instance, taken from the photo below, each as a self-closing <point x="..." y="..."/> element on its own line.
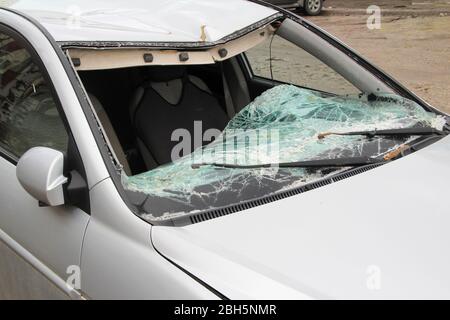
<point x="35" y="237"/>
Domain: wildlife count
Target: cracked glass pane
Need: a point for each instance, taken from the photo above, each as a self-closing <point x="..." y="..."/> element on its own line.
<point x="281" y="125"/>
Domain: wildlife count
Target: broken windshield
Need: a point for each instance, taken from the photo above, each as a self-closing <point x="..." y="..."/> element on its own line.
<point x="281" y="125"/>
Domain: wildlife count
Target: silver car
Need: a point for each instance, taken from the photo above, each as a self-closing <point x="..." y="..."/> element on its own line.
<point x="211" y="150"/>
<point x="310" y="7"/>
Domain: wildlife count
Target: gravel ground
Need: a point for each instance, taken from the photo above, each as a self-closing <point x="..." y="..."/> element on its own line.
<point x="414" y="49"/>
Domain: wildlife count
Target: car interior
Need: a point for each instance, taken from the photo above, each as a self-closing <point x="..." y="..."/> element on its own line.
<point x="140" y="107"/>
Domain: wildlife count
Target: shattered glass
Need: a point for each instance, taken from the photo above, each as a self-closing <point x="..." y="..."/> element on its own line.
<point x="281" y="125"/>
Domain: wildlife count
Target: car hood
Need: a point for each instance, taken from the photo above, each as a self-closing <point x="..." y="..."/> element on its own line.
<point x="383" y="234"/>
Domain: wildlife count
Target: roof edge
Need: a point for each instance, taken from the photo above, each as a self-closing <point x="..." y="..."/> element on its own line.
<point x="169" y="45"/>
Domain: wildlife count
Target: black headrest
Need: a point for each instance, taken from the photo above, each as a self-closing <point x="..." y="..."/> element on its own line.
<point x="165" y="73"/>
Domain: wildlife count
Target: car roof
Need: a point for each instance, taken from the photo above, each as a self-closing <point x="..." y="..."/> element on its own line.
<point x="129" y="21"/>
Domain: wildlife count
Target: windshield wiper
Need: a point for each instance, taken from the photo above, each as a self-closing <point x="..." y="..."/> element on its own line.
<point x="402" y="132"/>
<point x="339" y="162"/>
<point x="321" y="163"/>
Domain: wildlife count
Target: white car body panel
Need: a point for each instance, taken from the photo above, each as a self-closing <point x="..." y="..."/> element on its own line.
<point x="118" y="260"/>
<point x="145" y="21"/>
<point x="50" y="238"/>
<point x="328" y="242"/>
<point x="37" y="281"/>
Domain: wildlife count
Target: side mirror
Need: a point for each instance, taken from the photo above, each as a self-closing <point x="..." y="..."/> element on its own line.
<point x="40" y="172"/>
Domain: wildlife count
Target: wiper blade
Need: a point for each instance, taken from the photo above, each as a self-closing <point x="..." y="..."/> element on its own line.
<point x="402" y="132"/>
<point x="339" y="162"/>
<point x="321" y="163"/>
